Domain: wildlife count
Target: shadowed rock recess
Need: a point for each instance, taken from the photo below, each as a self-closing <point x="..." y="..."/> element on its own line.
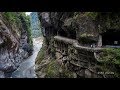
<point x="15" y="43"/>
<point x="79" y="45"/>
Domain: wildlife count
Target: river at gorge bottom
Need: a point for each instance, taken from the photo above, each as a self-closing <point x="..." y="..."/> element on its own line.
<point x="27" y="68"/>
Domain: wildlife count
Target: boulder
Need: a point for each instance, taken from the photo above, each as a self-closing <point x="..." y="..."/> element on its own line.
<point x="27" y="48"/>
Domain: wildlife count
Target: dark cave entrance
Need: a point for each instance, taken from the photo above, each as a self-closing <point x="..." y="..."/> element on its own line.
<point x="70" y="34"/>
<point x="62" y="33"/>
<point x="111" y="38"/>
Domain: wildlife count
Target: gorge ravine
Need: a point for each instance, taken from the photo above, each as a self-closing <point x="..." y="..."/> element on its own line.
<point x="27" y="68"/>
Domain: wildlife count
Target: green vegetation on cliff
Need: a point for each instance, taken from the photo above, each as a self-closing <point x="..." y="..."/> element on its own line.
<point x="11" y="17"/>
<point x="55" y="70"/>
<point x="111" y="55"/>
<point x="27" y="22"/>
<point x="40" y="56"/>
<point x="51" y="67"/>
<point x="110" y="60"/>
<point x="14" y="18"/>
<point x="85" y="27"/>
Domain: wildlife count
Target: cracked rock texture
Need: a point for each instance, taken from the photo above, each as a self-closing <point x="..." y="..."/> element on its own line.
<point x="13" y="36"/>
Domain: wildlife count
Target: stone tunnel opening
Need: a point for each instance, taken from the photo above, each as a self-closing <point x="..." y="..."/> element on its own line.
<point x="111" y="38"/>
<point x="70" y="34"/>
<point x="62" y="33"/>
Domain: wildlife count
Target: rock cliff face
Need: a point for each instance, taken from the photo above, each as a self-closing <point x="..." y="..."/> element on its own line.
<point x="13" y="35"/>
<point x="75" y="45"/>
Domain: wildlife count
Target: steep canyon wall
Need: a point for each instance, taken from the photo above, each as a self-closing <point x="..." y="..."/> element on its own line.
<point x="13" y="38"/>
<point x="73" y="45"/>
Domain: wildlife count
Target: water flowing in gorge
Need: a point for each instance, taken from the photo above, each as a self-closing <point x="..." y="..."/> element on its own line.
<point x="59" y="45"/>
<point x="27" y="68"/>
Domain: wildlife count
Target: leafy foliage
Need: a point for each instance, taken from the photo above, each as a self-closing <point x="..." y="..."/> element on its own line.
<point x="111" y="55"/>
<point x="110" y="61"/>
<point x="10" y="16"/>
<point x="27" y="21"/>
<point x="14" y="18"/>
<point x="40" y="56"/>
<point x="93" y="15"/>
<point x="55" y="70"/>
<point x="52" y="70"/>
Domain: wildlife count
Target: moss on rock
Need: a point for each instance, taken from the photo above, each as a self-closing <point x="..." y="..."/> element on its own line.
<point x="110" y="61"/>
<point x="52" y="70"/>
<point x="40" y="56"/>
<point x="111" y="55"/>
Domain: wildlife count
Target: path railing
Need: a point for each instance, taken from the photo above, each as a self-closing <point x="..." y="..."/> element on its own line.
<point x="75" y="44"/>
